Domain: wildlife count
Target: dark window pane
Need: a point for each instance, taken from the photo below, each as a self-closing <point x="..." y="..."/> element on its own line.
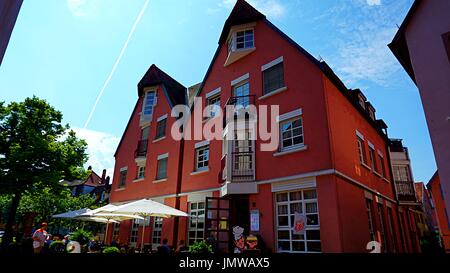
<point x="314" y="246"/>
<point x="298" y="246"/>
<point x="313" y="235"/>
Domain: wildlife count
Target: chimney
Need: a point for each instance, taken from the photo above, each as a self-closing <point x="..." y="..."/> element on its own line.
<point x="103" y="176"/>
<point x="90" y="168"/>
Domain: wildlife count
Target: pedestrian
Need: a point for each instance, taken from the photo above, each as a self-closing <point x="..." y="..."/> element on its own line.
<point x="39" y="237"/>
<point x="164" y="248"/>
<point x="182" y="247"/>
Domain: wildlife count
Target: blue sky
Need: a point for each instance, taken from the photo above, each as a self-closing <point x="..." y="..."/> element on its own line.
<point x="64" y="50"/>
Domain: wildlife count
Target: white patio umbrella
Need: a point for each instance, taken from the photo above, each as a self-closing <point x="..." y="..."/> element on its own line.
<point x="71" y="214"/>
<point x="146" y="208"/>
<point x="107" y="217"/>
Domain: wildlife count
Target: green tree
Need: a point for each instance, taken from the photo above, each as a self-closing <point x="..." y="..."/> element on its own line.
<point x="36" y="151"/>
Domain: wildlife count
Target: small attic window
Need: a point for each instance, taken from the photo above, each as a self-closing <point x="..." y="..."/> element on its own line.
<point x="371" y="113"/>
<point x="362" y="102"/>
<point x="239" y="40"/>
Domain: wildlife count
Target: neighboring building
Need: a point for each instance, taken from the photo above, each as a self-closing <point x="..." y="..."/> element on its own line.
<point x="94" y="185"/>
<point x="424" y="197"/>
<point x="435" y="188"/>
<point x="9" y="10"/>
<point x="331" y="168"/>
<point x="422" y="46"/>
<point x="410" y="210"/>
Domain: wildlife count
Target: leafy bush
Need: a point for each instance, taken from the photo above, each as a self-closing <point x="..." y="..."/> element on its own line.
<point x="57" y="247"/>
<point x="200" y="247"/>
<point x="81" y="236"/>
<point x="111" y="250"/>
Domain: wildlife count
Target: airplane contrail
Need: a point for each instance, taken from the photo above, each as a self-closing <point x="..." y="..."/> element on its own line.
<point x="100" y="94"/>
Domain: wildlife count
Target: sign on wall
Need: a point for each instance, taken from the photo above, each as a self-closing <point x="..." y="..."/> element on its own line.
<point x="254" y="220"/>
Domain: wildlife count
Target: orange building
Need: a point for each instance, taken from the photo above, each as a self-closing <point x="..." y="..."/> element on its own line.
<point x="330" y="169"/>
<point x="434" y="186"/>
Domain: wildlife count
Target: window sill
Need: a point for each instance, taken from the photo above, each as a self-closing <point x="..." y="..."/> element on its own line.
<point x="159" y="139"/>
<point x="137" y="180"/>
<point x="159" y="180"/>
<point x="385" y="180"/>
<point x="120" y="189"/>
<point x="366" y="166"/>
<point x="200" y="171"/>
<point x="292" y="150"/>
<point x="274" y="92"/>
<point x="378" y="174"/>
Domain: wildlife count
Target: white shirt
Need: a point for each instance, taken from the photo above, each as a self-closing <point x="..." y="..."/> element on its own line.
<point x="41" y="235"/>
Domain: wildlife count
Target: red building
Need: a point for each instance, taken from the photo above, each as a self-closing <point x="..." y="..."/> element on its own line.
<point x="331" y="167"/>
<point x="435" y="188"/>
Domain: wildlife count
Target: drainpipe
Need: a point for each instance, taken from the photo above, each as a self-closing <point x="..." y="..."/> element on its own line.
<point x="177" y="192"/>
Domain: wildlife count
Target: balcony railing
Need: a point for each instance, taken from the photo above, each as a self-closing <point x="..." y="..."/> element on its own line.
<point x="141" y="150"/>
<point x="242" y="166"/>
<point x="240" y="103"/>
<point x="405" y="191"/>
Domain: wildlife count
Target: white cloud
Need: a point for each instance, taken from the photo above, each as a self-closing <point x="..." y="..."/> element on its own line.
<point x="270" y="8"/>
<point x="374" y="2"/>
<point x="101" y="148"/>
<point x="81" y="8"/>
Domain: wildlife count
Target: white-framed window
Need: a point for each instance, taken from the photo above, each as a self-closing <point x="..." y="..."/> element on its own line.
<point x="134" y="231"/>
<point x="196" y="222"/>
<point x="382" y="226"/>
<point x="361" y="149"/>
<point x="273" y="78"/>
<point x="373" y="159"/>
<point x="161" y="128"/>
<point x="382" y="169"/>
<point x="214" y="102"/>
<point x="157" y="230"/>
<point x="370" y="219"/>
<point x="291" y="133"/>
<point x="122" y="178"/>
<point x="201" y="158"/>
<point x="241" y="93"/>
<point x="141" y="172"/>
<point x="242" y="39"/>
<point x="149" y="102"/>
<point x="401" y="173"/>
<point x="287" y="204"/>
<point x="161" y="170"/>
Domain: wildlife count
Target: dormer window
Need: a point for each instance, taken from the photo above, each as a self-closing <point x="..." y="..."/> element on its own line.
<point x="362" y="102"/>
<point x="239" y="40"/>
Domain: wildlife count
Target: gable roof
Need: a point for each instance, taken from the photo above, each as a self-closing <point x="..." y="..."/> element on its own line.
<point x="399" y="46"/>
<point x="175" y="91"/>
<point x="240" y="10"/>
<point x="242" y="13"/>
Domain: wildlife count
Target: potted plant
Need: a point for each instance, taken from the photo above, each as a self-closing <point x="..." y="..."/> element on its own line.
<point x="200" y="247"/>
<point x="111" y="250"/>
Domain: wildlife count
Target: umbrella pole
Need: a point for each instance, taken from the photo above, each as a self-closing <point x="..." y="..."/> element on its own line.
<point x="143" y="233"/>
<point x="106" y="231"/>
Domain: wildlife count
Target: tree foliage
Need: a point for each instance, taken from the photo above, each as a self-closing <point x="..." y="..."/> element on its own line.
<point x="36" y="152"/>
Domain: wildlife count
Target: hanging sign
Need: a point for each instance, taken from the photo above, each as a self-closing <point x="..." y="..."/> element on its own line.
<point x="299" y="225"/>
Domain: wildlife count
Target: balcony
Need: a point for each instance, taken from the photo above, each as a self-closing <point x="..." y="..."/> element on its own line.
<point x="238" y="170"/>
<point x="141" y="150"/>
<point x="405" y="191"/>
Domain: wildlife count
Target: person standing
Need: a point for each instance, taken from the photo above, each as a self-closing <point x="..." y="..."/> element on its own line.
<point x="39" y="237"/>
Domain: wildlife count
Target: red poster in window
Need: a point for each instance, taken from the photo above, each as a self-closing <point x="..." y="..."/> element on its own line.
<point x="299" y="224"/>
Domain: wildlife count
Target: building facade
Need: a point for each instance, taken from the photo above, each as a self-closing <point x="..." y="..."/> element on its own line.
<point x="326" y="186"/>
<point x="435" y="188"/>
<point x="422" y="46"/>
<point x="9" y="10"/>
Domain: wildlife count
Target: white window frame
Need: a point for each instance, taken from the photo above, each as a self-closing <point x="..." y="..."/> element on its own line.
<point x="194" y="220"/>
<point x="140" y="172"/>
<point x="122" y="185"/>
<point x="291" y="117"/>
<point x="157" y="231"/>
<point x="134" y="232"/>
<point x="214" y="102"/>
<point x="158" y="122"/>
<point x="144" y="105"/>
<point x="291" y="214"/>
<point x="232" y="41"/>
<point x="160" y="158"/>
<point x="197" y="155"/>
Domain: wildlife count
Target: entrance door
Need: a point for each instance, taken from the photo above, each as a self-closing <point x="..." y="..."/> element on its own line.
<point x="217" y="222"/>
<point x="222" y="214"/>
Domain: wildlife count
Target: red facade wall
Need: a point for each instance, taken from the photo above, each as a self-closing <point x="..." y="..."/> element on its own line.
<point x="440" y="209"/>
